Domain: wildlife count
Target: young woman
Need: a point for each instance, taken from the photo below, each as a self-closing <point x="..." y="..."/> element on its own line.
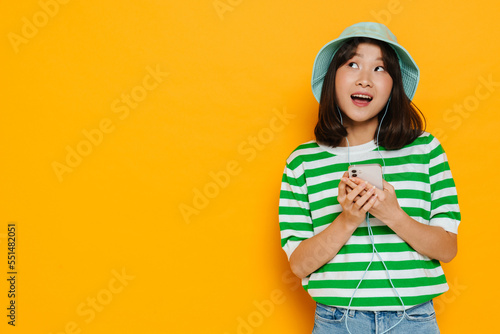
<point x="369" y="257"/>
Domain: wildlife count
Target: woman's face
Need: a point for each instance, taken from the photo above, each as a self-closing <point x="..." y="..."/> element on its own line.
<point x="363" y="86"/>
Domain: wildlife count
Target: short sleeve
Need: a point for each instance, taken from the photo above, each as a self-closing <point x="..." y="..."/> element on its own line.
<point x="294" y="211"/>
<point x="445" y="211"/>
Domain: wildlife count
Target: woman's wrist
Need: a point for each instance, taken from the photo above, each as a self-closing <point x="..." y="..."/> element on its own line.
<point x="347" y="223"/>
<point x="396" y="219"/>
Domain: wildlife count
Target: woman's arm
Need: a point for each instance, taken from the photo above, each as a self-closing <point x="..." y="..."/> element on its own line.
<point x="314" y="252"/>
<point x="431" y="241"/>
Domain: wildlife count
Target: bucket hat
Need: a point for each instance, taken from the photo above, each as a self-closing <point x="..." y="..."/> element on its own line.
<point x="378" y="31"/>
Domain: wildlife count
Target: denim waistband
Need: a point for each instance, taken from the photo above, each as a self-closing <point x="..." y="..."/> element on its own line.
<point x="352" y="312"/>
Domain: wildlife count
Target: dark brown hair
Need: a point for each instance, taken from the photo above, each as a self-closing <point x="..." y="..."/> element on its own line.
<point x="403" y="122"/>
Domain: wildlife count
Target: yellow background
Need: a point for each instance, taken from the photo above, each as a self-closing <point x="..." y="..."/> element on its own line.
<point x="232" y="69"/>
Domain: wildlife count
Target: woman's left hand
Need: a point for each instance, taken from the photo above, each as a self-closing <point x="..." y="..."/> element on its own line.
<point x="386" y="206"/>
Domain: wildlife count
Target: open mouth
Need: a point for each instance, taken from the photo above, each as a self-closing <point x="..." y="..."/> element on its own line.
<point x="361" y="98"/>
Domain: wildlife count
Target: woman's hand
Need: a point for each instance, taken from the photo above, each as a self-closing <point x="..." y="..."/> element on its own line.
<point x="385" y="206"/>
<point x="356" y="199"/>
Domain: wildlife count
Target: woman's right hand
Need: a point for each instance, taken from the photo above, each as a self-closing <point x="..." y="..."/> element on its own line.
<point x="355" y="202"/>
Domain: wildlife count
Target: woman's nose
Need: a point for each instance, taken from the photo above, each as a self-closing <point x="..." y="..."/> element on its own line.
<point x="364" y="79"/>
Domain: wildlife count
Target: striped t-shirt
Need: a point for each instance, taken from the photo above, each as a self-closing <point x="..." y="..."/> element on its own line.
<point x="425" y="190"/>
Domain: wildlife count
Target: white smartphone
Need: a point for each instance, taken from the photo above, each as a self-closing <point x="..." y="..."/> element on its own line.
<point x="372" y="173"/>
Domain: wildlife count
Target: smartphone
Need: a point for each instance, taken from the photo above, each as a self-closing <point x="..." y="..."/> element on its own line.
<point x="372" y="173"/>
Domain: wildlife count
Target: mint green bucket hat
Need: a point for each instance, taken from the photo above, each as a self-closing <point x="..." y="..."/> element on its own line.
<point x="378" y="31"/>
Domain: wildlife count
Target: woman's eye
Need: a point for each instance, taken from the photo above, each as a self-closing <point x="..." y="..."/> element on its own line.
<point x="353" y="65"/>
<point x="379" y="68"/>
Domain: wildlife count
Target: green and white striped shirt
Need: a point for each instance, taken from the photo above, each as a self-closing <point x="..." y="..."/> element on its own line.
<point x="425" y="190"/>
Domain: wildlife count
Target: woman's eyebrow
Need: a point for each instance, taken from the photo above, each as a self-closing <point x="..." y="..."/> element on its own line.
<point x="360" y="55"/>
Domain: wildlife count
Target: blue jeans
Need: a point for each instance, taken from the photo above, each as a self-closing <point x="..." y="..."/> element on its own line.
<point x="418" y="319"/>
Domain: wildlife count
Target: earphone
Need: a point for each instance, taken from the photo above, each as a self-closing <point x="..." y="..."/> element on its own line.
<point x="370" y="231"/>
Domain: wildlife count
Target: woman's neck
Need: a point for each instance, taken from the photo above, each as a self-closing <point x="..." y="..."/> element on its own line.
<point x="360" y="134"/>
